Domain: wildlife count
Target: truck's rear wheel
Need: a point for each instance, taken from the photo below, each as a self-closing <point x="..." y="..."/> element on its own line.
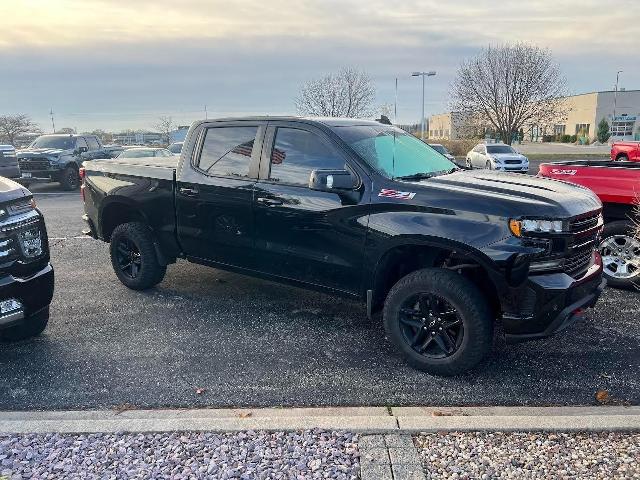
<point x="622" y="158"/>
<point x="439" y="321"/>
<point x="620" y="252"/>
<point x="69" y="178"/>
<point x="134" y="257"/>
<point x="32" y="327"/>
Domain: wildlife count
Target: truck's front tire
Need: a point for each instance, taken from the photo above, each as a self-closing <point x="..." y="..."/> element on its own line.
<point x="439" y="320"/>
<point x="134" y="257"/>
<point x="31" y="327"/>
<point x="70" y="178"/>
<point x="620" y="252"/>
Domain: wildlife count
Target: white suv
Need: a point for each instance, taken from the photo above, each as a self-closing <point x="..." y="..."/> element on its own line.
<point x="497" y="156"/>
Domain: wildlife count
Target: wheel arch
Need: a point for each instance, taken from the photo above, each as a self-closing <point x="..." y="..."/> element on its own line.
<point x="117" y="210"/>
<point x="407" y="255"/>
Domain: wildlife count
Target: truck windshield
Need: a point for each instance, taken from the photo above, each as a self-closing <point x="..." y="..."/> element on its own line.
<point x="393" y="152"/>
<point x="63" y="143"/>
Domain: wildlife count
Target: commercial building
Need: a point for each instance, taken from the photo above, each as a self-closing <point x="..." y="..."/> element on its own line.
<point x="583" y="113"/>
<point x="137" y="138"/>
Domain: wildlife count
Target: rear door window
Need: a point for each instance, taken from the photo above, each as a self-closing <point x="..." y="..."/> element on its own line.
<point x="93" y="143"/>
<point x="226" y="151"/>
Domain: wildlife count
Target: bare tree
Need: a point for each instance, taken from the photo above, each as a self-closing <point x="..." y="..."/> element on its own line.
<point x="347" y="93"/>
<point x="509" y="87"/>
<point x="164" y="127"/>
<point x="12" y="126"/>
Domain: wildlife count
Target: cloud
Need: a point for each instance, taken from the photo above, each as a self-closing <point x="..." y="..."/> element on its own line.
<point x="120" y="62"/>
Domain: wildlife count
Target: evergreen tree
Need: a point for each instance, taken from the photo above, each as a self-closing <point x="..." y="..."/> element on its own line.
<point x="603" y="133"/>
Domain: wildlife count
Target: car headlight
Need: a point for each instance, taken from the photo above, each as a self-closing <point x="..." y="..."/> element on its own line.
<point x="530" y="225"/>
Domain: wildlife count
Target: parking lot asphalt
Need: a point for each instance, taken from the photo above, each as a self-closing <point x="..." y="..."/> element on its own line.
<point x="205" y="337"/>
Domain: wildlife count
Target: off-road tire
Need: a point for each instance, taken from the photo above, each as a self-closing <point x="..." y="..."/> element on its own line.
<point x="470" y="305"/>
<point x="620" y="227"/>
<point x="151" y="272"/>
<point x="31" y="327"/>
<point x="70" y="178"/>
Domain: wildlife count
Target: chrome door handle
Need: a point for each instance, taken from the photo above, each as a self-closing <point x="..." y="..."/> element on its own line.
<point x="188" y="192"/>
<point x="269" y="202"/>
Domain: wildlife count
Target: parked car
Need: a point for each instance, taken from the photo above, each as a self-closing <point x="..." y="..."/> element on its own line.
<point x="625" y="151"/>
<point x="363" y="210"/>
<point x="443" y="151"/>
<point x="617" y="184"/>
<point x="139" y="152"/>
<point x="107" y="151"/>
<point x="26" y="276"/>
<point x="175" y="148"/>
<point x="56" y="158"/>
<point x="8" y="162"/>
<point x="497" y="156"/>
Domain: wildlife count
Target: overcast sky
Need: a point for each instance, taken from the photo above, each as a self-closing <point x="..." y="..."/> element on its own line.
<point x="116" y="64"/>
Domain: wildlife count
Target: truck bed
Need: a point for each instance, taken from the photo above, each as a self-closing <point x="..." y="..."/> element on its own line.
<point x="151" y="167"/>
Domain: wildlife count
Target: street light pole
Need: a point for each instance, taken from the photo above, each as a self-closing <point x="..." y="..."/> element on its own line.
<point x="423" y="74"/>
<point x="615" y="96"/>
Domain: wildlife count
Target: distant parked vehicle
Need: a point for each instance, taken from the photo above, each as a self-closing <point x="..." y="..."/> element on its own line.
<point x="8" y="162"/>
<point x="624" y="151"/>
<point x="107" y="151"/>
<point x="497" y="156"/>
<point x="442" y="150"/>
<point x="56" y="158"/>
<point x="26" y="276"/>
<point x="175" y="148"/>
<point x="616" y="184"/>
<point x="139" y="152"/>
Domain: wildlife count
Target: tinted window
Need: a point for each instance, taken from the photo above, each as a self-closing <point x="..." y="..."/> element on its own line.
<point x="80" y="142"/>
<point x="297" y="152"/>
<point x="93" y="143"/>
<point x="500" y="149"/>
<point x="227" y="151"/>
<point x="47" y="141"/>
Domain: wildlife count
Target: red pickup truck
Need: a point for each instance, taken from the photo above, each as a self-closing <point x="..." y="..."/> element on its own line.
<point x="617" y="184"/>
<point x="624" y="151"/>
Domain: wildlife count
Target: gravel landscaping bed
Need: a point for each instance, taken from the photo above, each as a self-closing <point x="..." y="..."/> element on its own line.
<point x="530" y="455"/>
<point x="244" y="455"/>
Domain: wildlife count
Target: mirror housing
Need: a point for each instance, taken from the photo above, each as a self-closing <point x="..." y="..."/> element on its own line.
<point x="331" y="180"/>
<point x="82" y="150"/>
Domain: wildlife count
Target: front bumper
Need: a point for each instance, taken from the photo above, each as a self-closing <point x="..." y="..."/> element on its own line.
<point x="33" y="292"/>
<point x="38" y="176"/>
<point x="549" y="303"/>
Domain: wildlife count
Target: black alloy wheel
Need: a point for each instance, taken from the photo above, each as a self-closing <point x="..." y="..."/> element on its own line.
<point x="431" y="325"/>
<point x="128" y="257"/>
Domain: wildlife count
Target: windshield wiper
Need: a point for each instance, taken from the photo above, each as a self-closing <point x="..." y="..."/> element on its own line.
<point x="416" y="176"/>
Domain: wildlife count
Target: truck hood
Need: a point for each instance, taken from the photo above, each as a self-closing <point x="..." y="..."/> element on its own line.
<point x="10" y="190"/>
<point x="44" y="152"/>
<point x="503" y="194"/>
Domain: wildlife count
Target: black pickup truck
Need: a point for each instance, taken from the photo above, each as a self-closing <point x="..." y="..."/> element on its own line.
<point x="26" y="276"/>
<point x="364" y="210"/>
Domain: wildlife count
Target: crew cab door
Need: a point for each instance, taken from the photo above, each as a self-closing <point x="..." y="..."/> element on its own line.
<point x="307" y="235"/>
<point x="214" y="194"/>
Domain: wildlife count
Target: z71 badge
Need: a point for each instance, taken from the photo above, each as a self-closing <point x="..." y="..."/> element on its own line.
<point x="386" y="192"/>
<point x="563" y="171"/>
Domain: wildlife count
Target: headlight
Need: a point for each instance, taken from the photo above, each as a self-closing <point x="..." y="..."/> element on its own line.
<point x="519" y="227"/>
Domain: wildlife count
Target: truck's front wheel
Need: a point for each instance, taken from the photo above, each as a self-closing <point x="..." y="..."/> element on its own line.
<point x="134" y="257"/>
<point x="620" y="250"/>
<point x="439" y="321"/>
<point x="69" y="178"/>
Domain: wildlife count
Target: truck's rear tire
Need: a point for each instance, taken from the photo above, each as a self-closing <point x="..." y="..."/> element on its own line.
<point x="134" y="257"/>
<point x="70" y="178"/>
<point x="620" y="252"/>
<point x="439" y="321"/>
<point x="32" y="327"/>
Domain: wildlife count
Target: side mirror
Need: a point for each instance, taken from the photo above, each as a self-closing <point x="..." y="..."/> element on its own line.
<point x="331" y="180"/>
<point x="83" y="150"/>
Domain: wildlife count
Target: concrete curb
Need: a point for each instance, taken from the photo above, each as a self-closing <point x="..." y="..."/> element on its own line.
<point x="375" y="420"/>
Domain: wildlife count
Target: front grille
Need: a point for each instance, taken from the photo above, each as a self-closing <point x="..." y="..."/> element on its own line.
<point x="584" y="223"/>
<point x="33" y="165"/>
<point x="512" y="162"/>
<point x="579" y="262"/>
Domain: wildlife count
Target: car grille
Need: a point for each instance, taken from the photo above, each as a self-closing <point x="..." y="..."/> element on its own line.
<point x="512" y="162"/>
<point x="585" y="230"/>
<point x="28" y="165"/>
